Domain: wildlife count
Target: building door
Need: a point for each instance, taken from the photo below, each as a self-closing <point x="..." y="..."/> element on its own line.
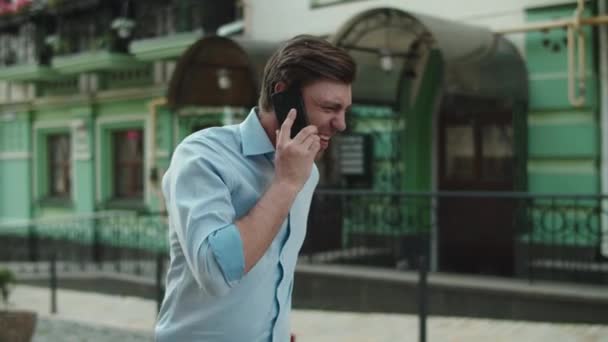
<point x="476" y="234"/>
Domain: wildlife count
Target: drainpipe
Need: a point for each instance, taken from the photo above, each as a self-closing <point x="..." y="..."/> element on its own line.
<point x="576" y="41"/>
<point x="603" y="46"/>
<point x="576" y="77"/>
<point x="155" y="174"/>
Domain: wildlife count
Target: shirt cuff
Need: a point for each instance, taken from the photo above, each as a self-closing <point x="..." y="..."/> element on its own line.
<point x="227" y="247"/>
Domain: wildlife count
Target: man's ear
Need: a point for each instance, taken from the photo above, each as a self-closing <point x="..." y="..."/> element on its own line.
<point x="279" y="87"/>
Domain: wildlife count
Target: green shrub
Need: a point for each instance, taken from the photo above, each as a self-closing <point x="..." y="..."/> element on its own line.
<point x="7" y="279"/>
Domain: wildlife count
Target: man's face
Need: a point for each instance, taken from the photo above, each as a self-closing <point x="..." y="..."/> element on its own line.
<point x="327" y="102"/>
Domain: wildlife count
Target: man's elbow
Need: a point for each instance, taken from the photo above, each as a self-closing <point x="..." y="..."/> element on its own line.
<point x="218" y="274"/>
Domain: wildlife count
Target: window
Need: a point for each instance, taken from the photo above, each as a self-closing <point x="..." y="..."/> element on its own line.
<point x="459" y="152"/>
<point x="59" y="163"/>
<point x="497" y="152"/>
<point x="127" y="147"/>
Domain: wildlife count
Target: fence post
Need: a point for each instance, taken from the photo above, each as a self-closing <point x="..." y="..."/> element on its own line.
<point x="160" y="293"/>
<point x="422" y="297"/>
<point x="32" y="242"/>
<point x="53" y="284"/>
<point x="96" y="245"/>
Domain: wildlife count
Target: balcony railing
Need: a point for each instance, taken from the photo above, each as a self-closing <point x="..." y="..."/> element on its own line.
<point x="161" y="18"/>
<point x="19" y="47"/>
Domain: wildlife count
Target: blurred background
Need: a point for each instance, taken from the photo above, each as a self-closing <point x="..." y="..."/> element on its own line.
<point x="470" y="188"/>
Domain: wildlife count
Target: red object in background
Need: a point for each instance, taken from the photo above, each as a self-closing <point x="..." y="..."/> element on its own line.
<point x="132" y="135"/>
<point x="6" y="7"/>
<point x="18" y="4"/>
<point x="293" y="338"/>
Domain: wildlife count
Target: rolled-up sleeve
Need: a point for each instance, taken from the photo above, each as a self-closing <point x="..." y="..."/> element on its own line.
<point x="202" y="214"/>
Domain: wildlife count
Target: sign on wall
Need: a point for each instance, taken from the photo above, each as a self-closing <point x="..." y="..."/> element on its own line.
<point x="80" y="136"/>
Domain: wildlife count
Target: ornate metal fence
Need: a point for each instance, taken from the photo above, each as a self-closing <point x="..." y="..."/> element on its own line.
<point x="560" y="237"/>
<point x="108" y="241"/>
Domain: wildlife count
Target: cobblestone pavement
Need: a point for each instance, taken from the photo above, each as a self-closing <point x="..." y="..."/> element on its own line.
<point x="96" y="317"/>
<point x="54" y="330"/>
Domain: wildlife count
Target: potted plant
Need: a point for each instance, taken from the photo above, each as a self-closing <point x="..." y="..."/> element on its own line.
<point x="7" y="280"/>
<point x="15" y="325"/>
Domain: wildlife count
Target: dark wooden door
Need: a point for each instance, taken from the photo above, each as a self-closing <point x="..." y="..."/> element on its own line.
<point x="476" y="155"/>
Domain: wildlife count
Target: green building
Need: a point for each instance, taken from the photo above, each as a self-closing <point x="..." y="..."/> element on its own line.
<point x="95" y="100"/>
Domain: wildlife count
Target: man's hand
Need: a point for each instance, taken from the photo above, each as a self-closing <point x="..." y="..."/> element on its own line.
<point x="293" y="164"/>
<point x="294" y="157"/>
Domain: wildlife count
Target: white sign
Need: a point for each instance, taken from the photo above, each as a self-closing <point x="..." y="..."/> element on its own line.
<point x="80" y="140"/>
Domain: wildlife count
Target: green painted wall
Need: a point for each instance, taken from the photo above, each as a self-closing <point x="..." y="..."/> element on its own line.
<point x="563" y="140"/>
<point x="15" y="194"/>
<point x="122" y="107"/>
<point x="84" y="162"/>
<point x="15" y="166"/>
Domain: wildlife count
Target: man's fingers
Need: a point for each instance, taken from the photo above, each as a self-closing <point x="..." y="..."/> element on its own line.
<point x="315" y="147"/>
<point x="310" y="140"/>
<point x="285" y="133"/>
<point x="305" y="133"/>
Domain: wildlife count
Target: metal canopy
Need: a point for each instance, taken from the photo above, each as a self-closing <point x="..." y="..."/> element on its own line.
<point x="391" y="47"/>
<point x="218" y="71"/>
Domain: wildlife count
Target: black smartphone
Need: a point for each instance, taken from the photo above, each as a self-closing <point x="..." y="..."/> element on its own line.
<point x="283" y="102"/>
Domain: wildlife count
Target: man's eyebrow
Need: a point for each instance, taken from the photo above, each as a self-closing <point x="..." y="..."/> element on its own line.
<point x="330" y="103"/>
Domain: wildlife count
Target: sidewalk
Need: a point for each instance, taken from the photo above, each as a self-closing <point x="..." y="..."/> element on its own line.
<point x="112" y="318"/>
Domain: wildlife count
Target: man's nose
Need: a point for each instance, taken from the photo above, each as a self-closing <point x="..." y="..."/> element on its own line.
<point x="339" y="122"/>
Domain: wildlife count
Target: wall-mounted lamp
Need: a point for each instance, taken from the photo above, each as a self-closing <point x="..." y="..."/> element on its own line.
<point x="123" y="26"/>
<point x="386" y="60"/>
<point x="223" y="79"/>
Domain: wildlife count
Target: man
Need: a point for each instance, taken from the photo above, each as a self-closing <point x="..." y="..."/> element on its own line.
<point x="238" y="200"/>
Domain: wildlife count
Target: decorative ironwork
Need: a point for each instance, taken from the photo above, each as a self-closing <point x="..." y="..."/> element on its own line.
<point x="555" y="237"/>
<point x="382" y="24"/>
<point x="20" y="47"/>
<point x="78" y="33"/>
<point x="159" y="18"/>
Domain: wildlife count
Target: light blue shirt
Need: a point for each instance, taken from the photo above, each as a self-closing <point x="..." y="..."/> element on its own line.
<point x="216" y="176"/>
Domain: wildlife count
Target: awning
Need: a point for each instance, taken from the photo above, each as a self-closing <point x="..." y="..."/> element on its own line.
<point x="390" y="47"/>
<point x="219" y="71"/>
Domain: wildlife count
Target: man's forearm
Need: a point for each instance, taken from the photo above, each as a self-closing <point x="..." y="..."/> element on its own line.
<point x="260" y="226"/>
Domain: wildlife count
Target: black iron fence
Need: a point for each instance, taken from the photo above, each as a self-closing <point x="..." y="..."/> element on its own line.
<point x="98" y="238"/>
<point x="559" y="237"/>
<point x="120" y="245"/>
<point x="553" y="237"/>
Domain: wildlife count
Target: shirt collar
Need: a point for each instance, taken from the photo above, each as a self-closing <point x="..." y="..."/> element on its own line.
<point x="253" y="136"/>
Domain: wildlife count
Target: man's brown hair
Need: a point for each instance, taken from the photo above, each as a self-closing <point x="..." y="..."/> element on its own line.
<point x="302" y="60"/>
